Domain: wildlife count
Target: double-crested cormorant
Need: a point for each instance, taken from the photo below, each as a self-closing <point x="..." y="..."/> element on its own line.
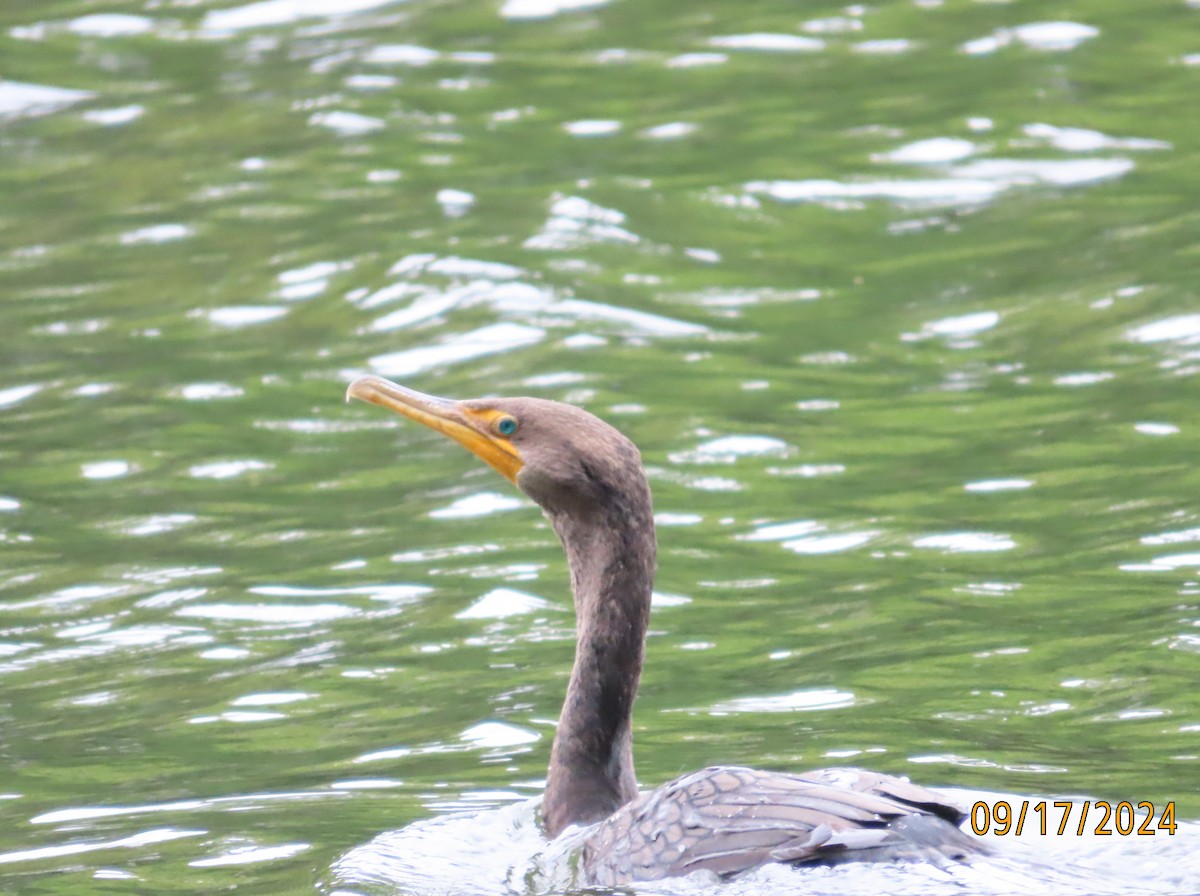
<point x="588" y="479"/>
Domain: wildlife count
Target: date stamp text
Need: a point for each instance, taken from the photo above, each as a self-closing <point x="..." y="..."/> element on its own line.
<point x="1068" y="817"/>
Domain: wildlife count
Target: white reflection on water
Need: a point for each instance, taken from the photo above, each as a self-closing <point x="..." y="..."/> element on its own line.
<point x="1184" y="328"/>
<point x="472" y="738"/>
<point x="74" y="594"/>
<point x="17" y="98"/>
<point x="244" y="315"/>
<point x="462" y="550"/>
<point x="87" y="813"/>
<point x="808" y="471"/>
<point x="834" y="24"/>
<point x="383" y="755"/>
<point x="17" y="394"/>
<point x="481" y="504"/>
<point x="349" y="124"/>
<point x="728" y="449"/>
<point x="797" y="701"/>
<point x="675" y="130"/>
<point x="638" y="321"/>
<point x="510" y="572"/>
<point x="224" y="653"/>
<point x="238" y="717"/>
<point x="225" y="22"/>
<point x="974" y="183"/>
<point x="768" y="42"/>
<point x="828" y="544"/>
<point x="957" y="326"/>
<point x="162" y="575"/>
<point x="710" y="483"/>
<point x="966" y="542"/>
<point x="324" y="426"/>
<point x="780" y="531"/>
<point x="998" y="485"/>
<point x="375" y="82"/>
<point x="455" y="203"/>
<point x="700" y="254"/>
<point x="890" y="47"/>
<point x="667" y="518"/>
<point x="934" y="151"/>
<point x="1045" y="36"/>
<point x="82" y="327"/>
<point x="989" y="589"/>
<point x="696" y="60"/>
<point x="209" y="391"/>
<point x="529" y="303"/>
<point x="114" y="117"/>
<point x="246" y="855"/>
<point x="662" y="599"/>
<point x="459" y="853"/>
<point x="584" y="340"/>
<point x="388" y="593"/>
<point x="156" y="233"/>
<point x="555" y="378"/>
<point x="430" y="304"/>
<point x="227" y="469"/>
<point x="487" y="340"/>
<point x="1156" y="429"/>
<point x="106" y="469"/>
<point x="575" y="222"/>
<point x="501" y="603"/>
<point x="384" y="176"/>
<point x="274" y="698"/>
<point x="1179" y="536"/>
<point x="133" y="636"/>
<point x="543" y="9"/>
<point x="950" y="191"/>
<point x="1056" y="172"/>
<point x="172" y="597"/>
<point x="271" y="614"/>
<point x="90" y="390"/>
<point x="146" y="838"/>
<point x="366" y="784"/>
<point x="1165" y="563"/>
<point x="592" y="127"/>
<point x="494" y="735"/>
<point x="308" y="281"/>
<point x="1084" y="378"/>
<point x="449" y="266"/>
<point x="110" y="25"/>
<point x="401" y="54"/>
<point x="1084" y="140"/>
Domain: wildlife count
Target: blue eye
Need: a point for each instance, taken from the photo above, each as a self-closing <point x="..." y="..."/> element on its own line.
<point x="506" y="426"/>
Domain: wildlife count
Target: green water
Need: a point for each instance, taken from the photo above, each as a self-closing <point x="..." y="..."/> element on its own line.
<point x="969" y="364"/>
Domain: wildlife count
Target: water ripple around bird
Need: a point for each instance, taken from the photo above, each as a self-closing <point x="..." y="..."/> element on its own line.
<point x="907" y="349"/>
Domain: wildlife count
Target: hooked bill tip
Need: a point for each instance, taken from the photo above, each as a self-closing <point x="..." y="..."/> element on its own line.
<point x="361" y="387"/>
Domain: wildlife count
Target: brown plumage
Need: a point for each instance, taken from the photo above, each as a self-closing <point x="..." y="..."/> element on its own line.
<point x="588" y="479"/>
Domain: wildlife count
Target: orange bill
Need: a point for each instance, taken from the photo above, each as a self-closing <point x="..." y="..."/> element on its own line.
<point x="470" y="427"/>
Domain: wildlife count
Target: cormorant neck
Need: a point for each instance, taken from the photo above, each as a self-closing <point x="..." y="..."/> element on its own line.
<point x="611" y="551"/>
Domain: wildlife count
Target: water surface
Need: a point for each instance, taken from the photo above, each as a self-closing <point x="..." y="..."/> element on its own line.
<point x="899" y="302"/>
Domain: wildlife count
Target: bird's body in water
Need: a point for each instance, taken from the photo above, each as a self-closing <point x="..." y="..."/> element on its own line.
<point x="588" y="479"/>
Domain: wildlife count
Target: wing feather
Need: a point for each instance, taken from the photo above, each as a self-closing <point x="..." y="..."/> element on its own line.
<point x="727" y="820"/>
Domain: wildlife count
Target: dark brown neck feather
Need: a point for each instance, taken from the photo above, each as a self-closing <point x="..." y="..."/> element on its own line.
<point x="610" y="547"/>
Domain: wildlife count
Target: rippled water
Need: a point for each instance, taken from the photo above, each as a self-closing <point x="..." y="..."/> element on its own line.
<point x="899" y="301"/>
